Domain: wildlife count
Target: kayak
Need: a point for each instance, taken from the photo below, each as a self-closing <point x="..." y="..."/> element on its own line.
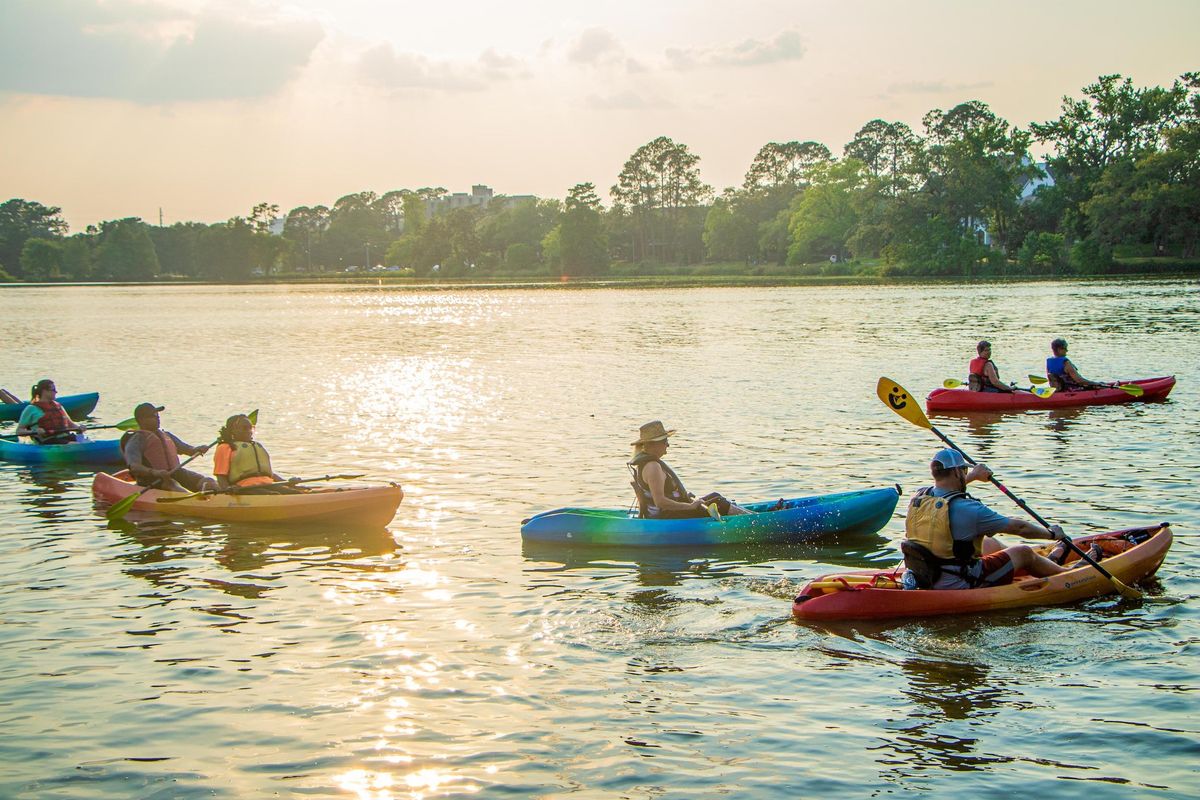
<point x="1130" y="555"/>
<point x="77" y="405"/>
<point x="800" y="519"/>
<point x="371" y="507"/>
<point x="107" y="451"/>
<point x="1155" y="390"/>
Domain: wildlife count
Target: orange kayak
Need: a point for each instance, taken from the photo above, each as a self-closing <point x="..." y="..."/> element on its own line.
<point x="1130" y="555"/>
<point x="364" y="508"/>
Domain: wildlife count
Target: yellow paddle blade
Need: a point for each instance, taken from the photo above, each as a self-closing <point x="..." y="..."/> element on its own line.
<point x="950" y="383"/>
<point x="130" y="424"/>
<point x="253" y="415"/>
<point x="1132" y="389"/>
<point x="897" y="398"/>
<point x="1043" y="391"/>
<point x="1037" y="378"/>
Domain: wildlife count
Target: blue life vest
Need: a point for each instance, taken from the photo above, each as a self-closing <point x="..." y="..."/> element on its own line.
<point x="1055" y="365"/>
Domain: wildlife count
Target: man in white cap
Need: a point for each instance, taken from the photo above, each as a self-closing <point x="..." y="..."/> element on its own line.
<point x="660" y="493"/>
<point x="948" y="534"/>
<point x="153" y="455"/>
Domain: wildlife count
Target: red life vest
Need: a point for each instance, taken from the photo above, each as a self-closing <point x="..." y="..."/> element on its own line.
<point x="54" y="416"/>
<point x="158" y="450"/>
<point x="977" y="364"/>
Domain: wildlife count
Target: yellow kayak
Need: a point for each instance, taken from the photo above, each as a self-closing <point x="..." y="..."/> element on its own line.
<point x="371" y="507"/>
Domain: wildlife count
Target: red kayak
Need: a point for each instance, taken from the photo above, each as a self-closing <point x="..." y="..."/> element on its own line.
<point x="1129" y="555"/>
<point x="1154" y="390"/>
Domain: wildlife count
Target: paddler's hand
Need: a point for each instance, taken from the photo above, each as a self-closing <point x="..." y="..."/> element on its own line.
<point x="1057" y="533"/>
<point x="979" y="472"/>
<point x="293" y="480"/>
<point x="201" y="450"/>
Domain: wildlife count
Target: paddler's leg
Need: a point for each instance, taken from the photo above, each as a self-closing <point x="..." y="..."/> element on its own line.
<point x="1026" y="558"/>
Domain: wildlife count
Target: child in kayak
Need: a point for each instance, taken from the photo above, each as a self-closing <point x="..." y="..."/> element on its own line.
<point x="660" y="493"/>
<point x="241" y="462"/>
<point x="1061" y="373"/>
<point x="984" y="377"/>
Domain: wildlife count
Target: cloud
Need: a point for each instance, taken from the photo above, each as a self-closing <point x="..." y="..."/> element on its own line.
<point x="627" y="100"/>
<point x="383" y="67"/>
<point x="786" y="46"/>
<point x="936" y="87"/>
<point x="593" y="46"/>
<point x="148" y="52"/>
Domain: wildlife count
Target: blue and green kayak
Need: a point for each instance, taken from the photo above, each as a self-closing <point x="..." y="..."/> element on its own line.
<point x="77" y="405"/>
<point x="800" y="519"/>
<point x="107" y="451"/>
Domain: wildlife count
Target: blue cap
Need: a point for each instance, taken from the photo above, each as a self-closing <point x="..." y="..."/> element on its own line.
<point x="949" y="458"/>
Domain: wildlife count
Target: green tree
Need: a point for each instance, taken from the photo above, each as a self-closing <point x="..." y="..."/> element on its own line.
<point x="125" y="251"/>
<point x="729" y="233"/>
<point x="656" y="186"/>
<point x="26" y="219"/>
<point x="892" y="154"/>
<point x="583" y="242"/>
<point x="824" y="216"/>
<point x="42" y="259"/>
<point x="785" y="165"/>
<point x="1114" y="121"/>
<point x="77" y="257"/>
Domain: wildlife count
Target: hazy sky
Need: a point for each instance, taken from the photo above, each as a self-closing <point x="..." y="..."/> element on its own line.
<point x="115" y="108"/>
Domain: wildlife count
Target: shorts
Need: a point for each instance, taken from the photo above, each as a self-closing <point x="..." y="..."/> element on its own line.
<point x="994" y="569"/>
<point x="712" y="497"/>
<point x="192" y="481"/>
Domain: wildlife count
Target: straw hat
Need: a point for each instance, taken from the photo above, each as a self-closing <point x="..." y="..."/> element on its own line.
<point x="653" y="432"/>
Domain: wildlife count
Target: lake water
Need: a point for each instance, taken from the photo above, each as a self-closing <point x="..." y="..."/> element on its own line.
<point x="169" y="659"/>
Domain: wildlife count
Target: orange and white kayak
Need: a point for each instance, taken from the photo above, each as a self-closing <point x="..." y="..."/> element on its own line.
<point x="371" y="507"/>
<point x="1130" y="555"/>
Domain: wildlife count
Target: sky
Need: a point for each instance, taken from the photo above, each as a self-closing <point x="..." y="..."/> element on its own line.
<point x="203" y="108"/>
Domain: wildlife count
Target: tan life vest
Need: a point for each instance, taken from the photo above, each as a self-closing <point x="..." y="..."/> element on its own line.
<point x="928" y="524"/>
<point x="249" y="460"/>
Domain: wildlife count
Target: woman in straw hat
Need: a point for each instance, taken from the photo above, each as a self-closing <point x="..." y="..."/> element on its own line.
<point x="660" y="493"/>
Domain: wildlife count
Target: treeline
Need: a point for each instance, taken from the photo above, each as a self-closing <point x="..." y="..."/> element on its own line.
<point x="960" y="197"/>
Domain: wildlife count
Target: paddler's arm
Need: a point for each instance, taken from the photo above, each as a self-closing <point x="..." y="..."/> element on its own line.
<point x="1016" y="525"/>
<point x="993" y="378"/>
<point x="185" y="448"/>
<point x="1073" y="374"/>
<point x="656" y="479"/>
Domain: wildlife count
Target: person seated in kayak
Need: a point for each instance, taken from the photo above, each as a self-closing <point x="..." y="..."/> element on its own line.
<point x="948" y="540"/>
<point x="1061" y="373"/>
<point x="241" y="462"/>
<point x="8" y="397"/>
<point x="984" y="377"/>
<point x="660" y="493"/>
<point x="44" y="419"/>
<point x="153" y="455"/>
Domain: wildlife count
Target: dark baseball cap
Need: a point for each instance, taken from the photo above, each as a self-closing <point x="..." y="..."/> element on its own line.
<point x="145" y="409"/>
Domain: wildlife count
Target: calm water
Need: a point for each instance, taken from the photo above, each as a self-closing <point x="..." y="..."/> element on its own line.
<point x="442" y="658"/>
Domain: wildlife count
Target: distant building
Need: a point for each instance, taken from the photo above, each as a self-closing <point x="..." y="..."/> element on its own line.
<point x="1033" y="184"/>
<point x="481" y="196"/>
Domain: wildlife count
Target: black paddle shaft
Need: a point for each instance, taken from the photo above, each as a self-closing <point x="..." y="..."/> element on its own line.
<point x="1027" y="509"/>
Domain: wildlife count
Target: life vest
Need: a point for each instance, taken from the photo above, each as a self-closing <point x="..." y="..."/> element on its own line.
<point x="673" y="487"/>
<point x="158" y="449"/>
<point x="249" y="460"/>
<point x="54" y="417"/>
<point x="976" y="380"/>
<point x="1056" y="371"/>
<point x="928" y="524"/>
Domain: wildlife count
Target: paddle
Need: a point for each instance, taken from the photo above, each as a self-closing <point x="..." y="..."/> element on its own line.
<point x="124" y="425"/>
<point x="897" y="398"/>
<point x="235" y="489"/>
<point x="119" y="509"/>
<point x="1131" y="389"/>
<point x="1040" y="391"/>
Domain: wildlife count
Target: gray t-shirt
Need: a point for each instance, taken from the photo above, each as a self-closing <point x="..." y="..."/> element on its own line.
<point x="135" y="447"/>
<point x="970" y="518"/>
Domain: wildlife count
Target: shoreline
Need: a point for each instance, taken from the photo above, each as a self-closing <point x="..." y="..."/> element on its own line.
<point x="641" y="282"/>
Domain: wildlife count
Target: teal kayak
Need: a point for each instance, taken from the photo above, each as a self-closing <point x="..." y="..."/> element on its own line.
<point x="86" y="452"/>
<point x="800" y="519"/>
<point x="77" y="405"/>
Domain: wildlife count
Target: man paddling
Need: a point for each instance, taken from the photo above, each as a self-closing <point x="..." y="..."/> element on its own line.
<point x="153" y="455"/>
<point x="1061" y="373"/>
<point x="984" y="377"/>
<point x="948" y="542"/>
